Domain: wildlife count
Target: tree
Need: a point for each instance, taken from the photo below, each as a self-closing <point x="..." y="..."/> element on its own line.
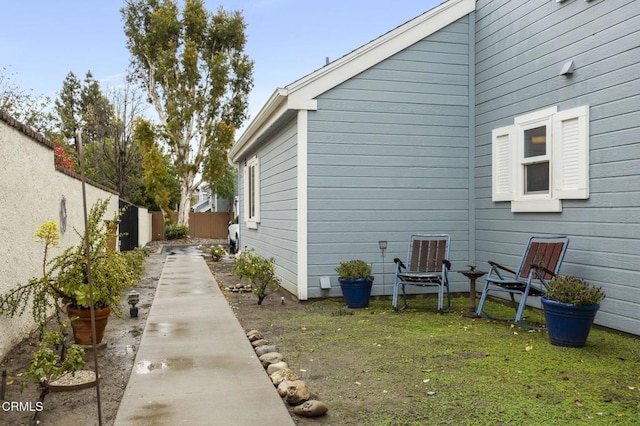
<point x="106" y="120"/>
<point x="197" y="77"/>
<point x="158" y="173"/>
<point x="25" y="106"/>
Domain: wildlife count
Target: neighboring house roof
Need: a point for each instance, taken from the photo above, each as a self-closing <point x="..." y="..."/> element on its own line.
<point x="301" y="94"/>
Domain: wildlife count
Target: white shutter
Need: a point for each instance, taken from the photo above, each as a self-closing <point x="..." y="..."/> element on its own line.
<point x="502" y="163"/>
<point x="571" y="154"/>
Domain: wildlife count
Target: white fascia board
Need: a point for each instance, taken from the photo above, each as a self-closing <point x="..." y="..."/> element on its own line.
<point x="275" y="107"/>
<point x="374" y="52"/>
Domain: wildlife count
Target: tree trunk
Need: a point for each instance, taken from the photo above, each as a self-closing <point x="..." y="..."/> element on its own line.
<point x="186" y="192"/>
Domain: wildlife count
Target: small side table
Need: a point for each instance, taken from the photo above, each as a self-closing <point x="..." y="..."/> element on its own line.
<point x="473" y="275"/>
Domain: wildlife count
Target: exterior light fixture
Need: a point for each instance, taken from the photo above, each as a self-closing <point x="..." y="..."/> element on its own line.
<point x="133" y="299"/>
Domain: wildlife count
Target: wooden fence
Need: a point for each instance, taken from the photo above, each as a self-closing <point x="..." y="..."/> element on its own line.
<point x="212" y="225"/>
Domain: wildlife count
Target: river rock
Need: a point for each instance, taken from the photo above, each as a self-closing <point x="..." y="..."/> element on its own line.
<point x="311" y="408"/>
<point x="270" y="358"/>
<point x="283" y="386"/>
<point x="259" y="342"/>
<point x="261" y="350"/>
<point x="297" y="393"/>
<point x="254" y="335"/>
<point x="276" y="367"/>
<point x="284" y="374"/>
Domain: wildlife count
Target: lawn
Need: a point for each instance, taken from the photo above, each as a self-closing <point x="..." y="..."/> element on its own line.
<point x="374" y="366"/>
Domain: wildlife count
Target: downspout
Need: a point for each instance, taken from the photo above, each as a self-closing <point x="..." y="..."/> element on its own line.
<point x="472" y="138"/>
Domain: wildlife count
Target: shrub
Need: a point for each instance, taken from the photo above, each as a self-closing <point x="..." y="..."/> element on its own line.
<point x="260" y="272"/>
<point x="354" y="270"/>
<point x="574" y="290"/>
<point x="173" y="231"/>
<point x="216" y="252"/>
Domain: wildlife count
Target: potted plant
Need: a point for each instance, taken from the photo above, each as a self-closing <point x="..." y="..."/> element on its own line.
<point x="355" y="281"/>
<point x="570" y="305"/>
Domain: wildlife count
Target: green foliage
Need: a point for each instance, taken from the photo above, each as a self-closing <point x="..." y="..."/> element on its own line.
<point x="574" y="290"/>
<point x="135" y="261"/>
<point x="47" y="365"/>
<point x="39" y="292"/>
<point x="159" y="176"/>
<point x="260" y="272"/>
<point x="29" y="108"/>
<point x="192" y="65"/>
<point x="354" y="269"/>
<point x="110" y="271"/>
<point x="216" y="252"/>
<point x="173" y="231"/>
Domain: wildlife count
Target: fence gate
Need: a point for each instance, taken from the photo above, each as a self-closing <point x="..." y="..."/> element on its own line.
<point x="128" y="226"/>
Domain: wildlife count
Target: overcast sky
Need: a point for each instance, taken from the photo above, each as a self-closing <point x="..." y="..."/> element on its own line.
<point x="42" y="40"/>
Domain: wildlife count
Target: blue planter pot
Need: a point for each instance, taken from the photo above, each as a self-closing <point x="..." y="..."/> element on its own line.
<point x="356" y="292"/>
<point x="567" y="324"/>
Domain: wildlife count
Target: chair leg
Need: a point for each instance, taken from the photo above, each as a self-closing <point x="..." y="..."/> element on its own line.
<point x="483" y="298"/>
<point x="394" y="300"/>
<point x="404" y="298"/>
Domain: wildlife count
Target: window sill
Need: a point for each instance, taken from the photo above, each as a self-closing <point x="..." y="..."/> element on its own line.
<point x="536" y="206"/>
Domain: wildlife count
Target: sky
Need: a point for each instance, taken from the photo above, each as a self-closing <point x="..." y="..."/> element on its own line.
<point x="41" y="41"/>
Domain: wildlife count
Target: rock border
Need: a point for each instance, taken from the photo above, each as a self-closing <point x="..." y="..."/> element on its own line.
<point x="289" y="386"/>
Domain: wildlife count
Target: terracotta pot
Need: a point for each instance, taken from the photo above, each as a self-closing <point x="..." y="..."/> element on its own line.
<point x="82" y="324"/>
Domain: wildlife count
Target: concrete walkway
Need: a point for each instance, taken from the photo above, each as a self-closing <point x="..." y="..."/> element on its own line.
<point x="194" y="365"/>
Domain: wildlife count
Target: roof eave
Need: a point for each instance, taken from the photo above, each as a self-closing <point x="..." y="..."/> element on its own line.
<point x="275" y="107"/>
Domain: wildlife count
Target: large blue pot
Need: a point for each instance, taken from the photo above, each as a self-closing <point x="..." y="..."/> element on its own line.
<point x="567" y="324"/>
<point x="356" y="292"/>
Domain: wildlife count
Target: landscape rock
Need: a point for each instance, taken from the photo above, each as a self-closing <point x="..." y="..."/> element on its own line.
<point x="261" y="350"/>
<point x="270" y="358"/>
<point x="254" y="335"/>
<point x="283" y="386"/>
<point x="259" y="342"/>
<point x="311" y="408"/>
<point x="297" y="393"/>
<point x="276" y="367"/>
<point x="282" y="375"/>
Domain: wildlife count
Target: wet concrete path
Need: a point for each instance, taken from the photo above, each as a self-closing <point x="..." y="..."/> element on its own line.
<point x="195" y="365"/>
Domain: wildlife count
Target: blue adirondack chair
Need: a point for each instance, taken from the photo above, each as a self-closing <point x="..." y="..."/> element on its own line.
<point x="540" y="262"/>
<point x="427" y="265"/>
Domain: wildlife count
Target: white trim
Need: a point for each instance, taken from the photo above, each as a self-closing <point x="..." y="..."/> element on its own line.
<point x="379" y="49"/>
<point x="539" y="205"/>
<point x="301" y="94"/>
<point x="301" y="177"/>
<point x="252" y="221"/>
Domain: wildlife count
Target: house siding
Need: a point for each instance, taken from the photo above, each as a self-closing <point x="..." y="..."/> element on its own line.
<point x="521" y="76"/>
<point x="276" y="235"/>
<point x="388" y="157"/>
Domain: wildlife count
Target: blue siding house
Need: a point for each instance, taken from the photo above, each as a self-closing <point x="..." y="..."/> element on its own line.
<point x="489" y="121"/>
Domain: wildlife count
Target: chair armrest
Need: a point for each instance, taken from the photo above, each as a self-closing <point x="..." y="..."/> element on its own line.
<point x="499" y="266"/>
<point x="447" y="264"/>
<point x="548" y="271"/>
<point x="399" y="262"/>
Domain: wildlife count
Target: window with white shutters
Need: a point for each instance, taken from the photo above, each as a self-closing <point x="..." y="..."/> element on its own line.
<point x="542" y="159"/>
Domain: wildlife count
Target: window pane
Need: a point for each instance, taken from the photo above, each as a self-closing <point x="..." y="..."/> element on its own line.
<point x="252" y="191"/>
<point x="535" y="141"/>
<point x="536" y="178"/>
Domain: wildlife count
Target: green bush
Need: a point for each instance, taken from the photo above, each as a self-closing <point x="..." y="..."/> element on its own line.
<point x="216" y="252"/>
<point x="354" y="270"/>
<point x="173" y="231"/>
<point x="135" y="260"/>
<point x="260" y="272"/>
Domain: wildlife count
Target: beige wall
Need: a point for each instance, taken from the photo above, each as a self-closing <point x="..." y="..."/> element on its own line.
<point x="31" y="190"/>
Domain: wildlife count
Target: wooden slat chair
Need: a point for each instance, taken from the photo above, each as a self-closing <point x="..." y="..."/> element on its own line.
<point x="427" y="260"/>
<point x="540" y="262"/>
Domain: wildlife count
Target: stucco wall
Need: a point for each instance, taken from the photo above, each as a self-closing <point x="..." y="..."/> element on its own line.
<point x="31" y="192"/>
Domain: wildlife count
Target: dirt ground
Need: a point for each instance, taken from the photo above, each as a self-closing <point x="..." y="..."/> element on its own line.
<point x="117" y="354"/>
<point x="115" y="357"/>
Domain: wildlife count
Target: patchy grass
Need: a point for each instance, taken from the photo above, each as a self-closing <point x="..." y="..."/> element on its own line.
<point x="374" y="366"/>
